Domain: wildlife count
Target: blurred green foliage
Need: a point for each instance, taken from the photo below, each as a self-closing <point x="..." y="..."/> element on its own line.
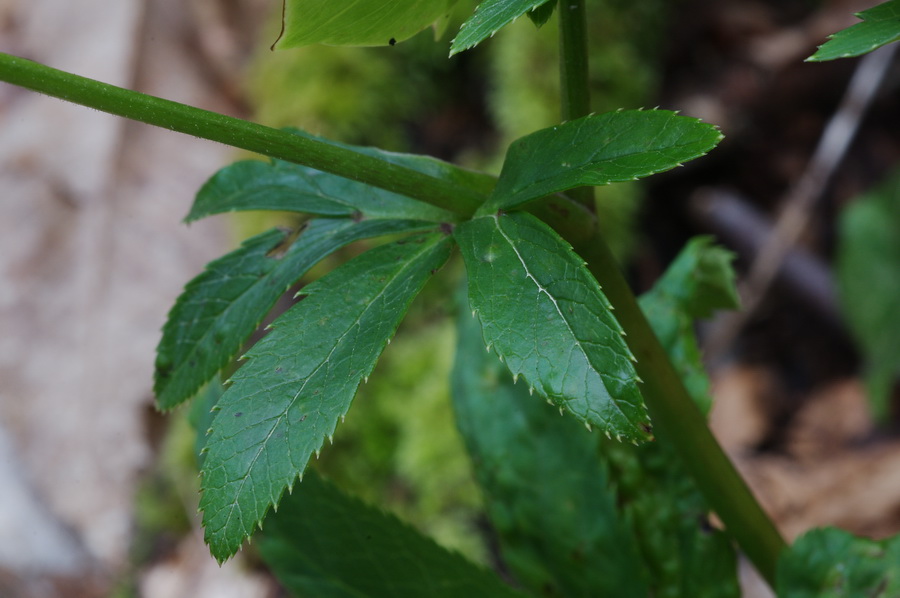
<point x="833" y="563"/>
<point x="868" y="263"/>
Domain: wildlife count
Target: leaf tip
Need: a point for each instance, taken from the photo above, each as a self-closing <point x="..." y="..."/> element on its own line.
<point x="588" y="426"/>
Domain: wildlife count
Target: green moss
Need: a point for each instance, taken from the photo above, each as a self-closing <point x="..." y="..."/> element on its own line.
<point x="366" y="96"/>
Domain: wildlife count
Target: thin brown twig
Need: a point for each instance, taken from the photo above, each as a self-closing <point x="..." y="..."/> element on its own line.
<point x="801" y="200"/>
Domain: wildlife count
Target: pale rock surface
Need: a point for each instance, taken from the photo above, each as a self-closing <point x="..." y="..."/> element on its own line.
<point x="92" y="255"/>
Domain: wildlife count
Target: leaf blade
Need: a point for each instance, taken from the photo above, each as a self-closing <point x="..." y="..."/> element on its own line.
<point x="832" y="563"/>
<point x="299" y="381"/>
<point x="547" y="490"/>
<point x="547" y="318"/>
<point x="357" y="22"/>
<point x="257" y="185"/>
<point x="576" y="514"/>
<point x="880" y="26"/>
<point x="221" y="307"/>
<point x="868" y="258"/>
<point x="540" y="14"/>
<point x="489" y="17"/>
<point x="328" y="544"/>
<point x="597" y="150"/>
<point x="697" y="283"/>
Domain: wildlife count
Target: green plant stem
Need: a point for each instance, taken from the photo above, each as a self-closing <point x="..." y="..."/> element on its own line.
<point x="677" y="419"/>
<point x="463" y="193"/>
<point x="573" y="60"/>
<point x="236" y="132"/>
<point x="680" y="424"/>
<point x="575" y="94"/>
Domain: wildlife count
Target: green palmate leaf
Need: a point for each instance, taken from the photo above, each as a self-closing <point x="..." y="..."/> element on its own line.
<point x="299" y="381"/>
<point x="832" y="563"/>
<point x="545" y="315"/>
<point x="596" y="150"/>
<point x="256" y="185"/>
<point x="220" y="308"/>
<point x="698" y="282"/>
<point x="326" y="544"/>
<point x="357" y="22"/>
<point x="489" y="17"/>
<point x="880" y="26"/>
<point x="868" y="260"/>
<point x="546" y="488"/>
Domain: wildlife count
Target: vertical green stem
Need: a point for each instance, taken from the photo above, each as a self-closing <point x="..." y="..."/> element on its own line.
<point x="676" y="418"/>
<point x="575" y="93"/>
<point x="573" y="60"/>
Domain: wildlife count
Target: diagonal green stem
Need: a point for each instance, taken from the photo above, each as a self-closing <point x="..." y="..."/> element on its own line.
<point x="677" y="420"/>
<point x="679" y="423"/>
<point x="236" y="132"/>
<point x="461" y="192"/>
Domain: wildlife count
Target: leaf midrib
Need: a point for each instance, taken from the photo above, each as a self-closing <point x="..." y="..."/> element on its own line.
<point x="542" y="289"/>
<point x="278" y="419"/>
<point x="590" y="161"/>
